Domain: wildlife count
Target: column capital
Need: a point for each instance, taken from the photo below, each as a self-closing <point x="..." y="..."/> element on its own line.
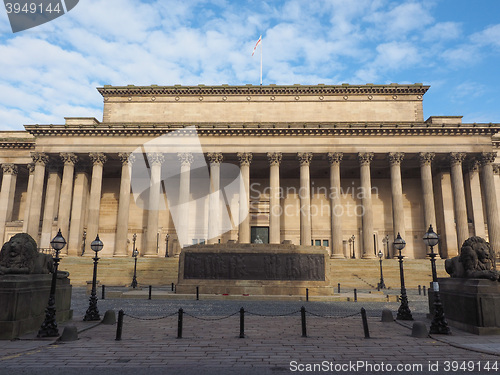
<point x="365" y="158"/>
<point x="31" y="168"/>
<point x="474" y="165"/>
<point x="245" y="158"/>
<point x="68" y="158"/>
<point x="126" y="157"/>
<point x="155" y="158"/>
<point x="9" y="168"/>
<point x="335" y="157"/>
<point x="395" y="158"/>
<point x="98" y="158"/>
<point x="457" y="157"/>
<point x="487" y="157"/>
<point x="274" y="158"/>
<point x="304" y="158"/>
<point x="426" y="158"/>
<point x="496" y="168"/>
<point x="40" y="158"/>
<point x="186" y="158"/>
<point x="215" y="157"/>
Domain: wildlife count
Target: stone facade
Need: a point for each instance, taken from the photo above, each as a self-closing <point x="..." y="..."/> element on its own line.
<point x="318" y="165"/>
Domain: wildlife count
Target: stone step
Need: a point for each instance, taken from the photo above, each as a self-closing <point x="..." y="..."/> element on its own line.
<point x="350" y="273"/>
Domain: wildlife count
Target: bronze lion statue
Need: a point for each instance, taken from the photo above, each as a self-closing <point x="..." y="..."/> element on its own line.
<point x="476" y="260"/>
<point x="20" y="256"/>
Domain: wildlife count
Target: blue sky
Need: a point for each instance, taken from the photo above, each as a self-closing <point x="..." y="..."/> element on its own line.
<point x="51" y="71"/>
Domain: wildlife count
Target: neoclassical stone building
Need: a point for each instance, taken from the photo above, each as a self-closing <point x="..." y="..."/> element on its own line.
<point x="345" y="167"/>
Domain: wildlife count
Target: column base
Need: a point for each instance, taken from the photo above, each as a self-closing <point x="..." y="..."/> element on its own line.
<point x="368" y="256"/>
<point x="337" y="256"/>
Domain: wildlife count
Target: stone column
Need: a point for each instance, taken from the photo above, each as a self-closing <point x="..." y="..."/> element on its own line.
<point x="274" y="197"/>
<point x="305" y="197"/>
<point x="186" y="159"/>
<point x="31" y="172"/>
<point x="51" y="196"/>
<point x="98" y="160"/>
<point x="155" y="160"/>
<point x="80" y="198"/>
<point x="490" y="200"/>
<point x="365" y="160"/>
<point x="66" y="197"/>
<point x="40" y="160"/>
<point x="214" y="206"/>
<point x="398" y="217"/>
<point x="8" y="186"/>
<point x="474" y="197"/>
<point x="336" y="206"/>
<point x="426" y="159"/>
<point x="457" y="185"/>
<point x="245" y="159"/>
<point x="127" y="160"/>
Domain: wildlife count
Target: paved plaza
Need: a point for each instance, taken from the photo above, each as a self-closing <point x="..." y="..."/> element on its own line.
<point x="273" y="342"/>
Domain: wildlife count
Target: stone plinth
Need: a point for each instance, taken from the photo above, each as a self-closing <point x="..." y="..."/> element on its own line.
<point x="24" y="298"/>
<point x="472" y="305"/>
<point x="254" y="269"/>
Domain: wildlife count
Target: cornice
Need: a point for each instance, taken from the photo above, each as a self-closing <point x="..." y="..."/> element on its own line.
<point x="265" y="129"/>
<point x="345" y="89"/>
<point x="10" y="144"/>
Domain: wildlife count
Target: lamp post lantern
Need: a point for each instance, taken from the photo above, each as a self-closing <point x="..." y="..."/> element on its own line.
<point x="439" y="324"/>
<point x="135" y="253"/>
<point x="49" y="325"/>
<point x="381" y="284"/>
<point x="404" y="312"/>
<point x="167" y="236"/>
<point x="351" y="241"/>
<point x="92" y="312"/>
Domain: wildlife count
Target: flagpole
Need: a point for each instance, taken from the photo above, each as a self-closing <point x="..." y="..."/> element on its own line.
<point x="261" y="62"/>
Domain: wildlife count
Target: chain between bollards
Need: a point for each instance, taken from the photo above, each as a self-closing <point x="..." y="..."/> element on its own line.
<point x="179" y="324"/>
<point x="242" y="323"/>
<point x="365" y="323"/>
<point x="119" y="325"/>
<point x="303" y="318"/>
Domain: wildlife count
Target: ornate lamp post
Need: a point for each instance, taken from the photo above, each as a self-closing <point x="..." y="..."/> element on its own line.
<point x="49" y="326"/>
<point x="404" y="312"/>
<point x="166" y="245"/>
<point x="351" y="241"/>
<point x="135" y="253"/>
<point x="381" y="284"/>
<point x="92" y="312"/>
<point x="83" y="243"/>
<point x="439" y="324"/>
<point x="386" y="241"/>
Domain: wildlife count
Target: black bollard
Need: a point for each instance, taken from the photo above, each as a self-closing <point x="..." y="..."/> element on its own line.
<point x="242" y="323"/>
<point x="338" y="288"/>
<point x="150" y="290"/>
<point x="119" y="325"/>
<point x="179" y="324"/>
<point x="355" y="295"/>
<point x="197" y="293"/>
<point x="303" y="317"/>
<point x="103" y="292"/>
<point x="307" y="294"/>
<point x="419" y="290"/>
<point x="365" y="323"/>
<point x="424" y="290"/>
<point x="172" y="287"/>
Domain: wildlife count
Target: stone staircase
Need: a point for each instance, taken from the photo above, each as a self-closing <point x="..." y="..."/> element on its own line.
<point x="350" y="273"/>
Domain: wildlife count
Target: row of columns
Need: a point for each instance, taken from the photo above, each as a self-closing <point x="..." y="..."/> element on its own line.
<point x="66" y="197"/>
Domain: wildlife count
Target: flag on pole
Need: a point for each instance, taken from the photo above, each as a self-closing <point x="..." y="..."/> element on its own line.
<point x="256" y="44"/>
